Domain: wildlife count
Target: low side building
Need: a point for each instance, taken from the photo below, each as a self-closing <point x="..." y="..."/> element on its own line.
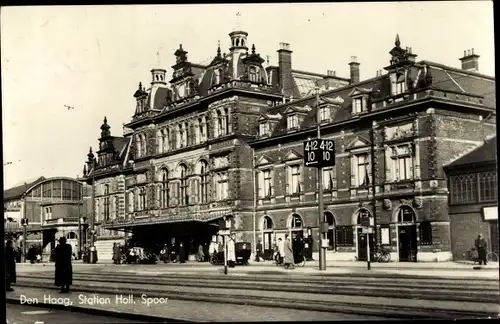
<point x="473" y="198"/>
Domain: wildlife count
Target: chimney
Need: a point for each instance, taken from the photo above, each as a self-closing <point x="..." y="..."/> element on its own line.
<point x="354" y="69"/>
<point x="470" y="61"/>
<point x="285" y="69"/>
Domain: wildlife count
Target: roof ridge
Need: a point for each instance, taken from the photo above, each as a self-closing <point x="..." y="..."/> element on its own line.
<point x="455" y="69"/>
<point x="470" y="150"/>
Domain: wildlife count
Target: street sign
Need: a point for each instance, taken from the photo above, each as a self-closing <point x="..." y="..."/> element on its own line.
<point x="24" y="222"/>
<point x="367" y="230"/>
<point x="319" y="153"/>
<point x="224" y="232"/>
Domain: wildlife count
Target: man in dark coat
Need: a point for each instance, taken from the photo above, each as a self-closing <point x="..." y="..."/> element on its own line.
<point x="258" y="252"/>
<point x="10" y="266"/>
<point x="116" y="253"/>
<point x="182" y="253"/>
<point x="482" y="250"/>
<point x="64" y="270"/>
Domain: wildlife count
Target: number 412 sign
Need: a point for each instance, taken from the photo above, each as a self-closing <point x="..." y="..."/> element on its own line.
<point x="319" y="153"/>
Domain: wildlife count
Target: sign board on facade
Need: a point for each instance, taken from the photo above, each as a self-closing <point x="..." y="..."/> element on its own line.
<point x="319" y="153"/>
<point x="384" y="233"/>
<point x="490" y="213"/>
<point x="224" y="232"/>
<point x="325" y="243"/>
<point x="367" y="230"/>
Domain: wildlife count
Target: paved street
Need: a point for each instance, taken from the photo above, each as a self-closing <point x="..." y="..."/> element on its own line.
<point x="24" y="314"/>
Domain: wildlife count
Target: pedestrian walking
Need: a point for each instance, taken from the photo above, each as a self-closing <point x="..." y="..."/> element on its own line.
<point x="10" y="265"/>
<point x="482" y="249"/>
<point x="164" y="253"/>
<point x="116" y="253"/>
<point x="231" y="251"/>
<point x="258" y="252"/>
<point x="281" y="250"/>
<point x="288" y="253"/>
<point x="64" y="269"/>
<point x="182" y="253"/>
<point x="31" y="254"/>
<point x="201" y="254"/>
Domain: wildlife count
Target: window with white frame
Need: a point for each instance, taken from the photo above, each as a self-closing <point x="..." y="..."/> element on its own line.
<point x="184" y="197"/>
<point x="204" y="182"/>
<point x="400" y="85"/>
<point x="186" y="134"/>
<point x="48" y="213"/>
<point x="253" y="74"/>
<point x="294" y="185"/>
<point x="144" y="145"/>
<point x="324" y="113"/>
<point x="218" y="73"/>
<point x="180" y="136"/>
<point x="159" y="141"/>
<point x="200" y="132"/>
<point x="265" y="183"/>
<point x="130" y="201"/>
<point x="329" y="179"/>
<point x="164" y="191"/>
<point x="361" y="170"/>
<point x="293" y="121"/>
<point x="358" y="105"/>
<point x="221" y="186"/>
<point x="401" y="163"/>
<point x="138" y="143"/>
<point x="142" y="198"/>
<point x="165" y="134"/>
<point x="264" y="129"/>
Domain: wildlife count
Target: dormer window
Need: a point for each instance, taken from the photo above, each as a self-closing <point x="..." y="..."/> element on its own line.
<point x="324" y="114"/>
<point x="264" y="129"/>
<point x="253" y="74"/>
<point x="358" y="105"/>
<point x="218" y="73"/>
<point x="293" y="121"/>
<point x="400" y="85"/>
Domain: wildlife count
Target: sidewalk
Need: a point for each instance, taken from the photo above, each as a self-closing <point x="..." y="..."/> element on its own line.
<point x="447" y="270"/>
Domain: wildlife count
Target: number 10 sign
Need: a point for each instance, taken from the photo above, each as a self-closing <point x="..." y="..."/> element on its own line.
<point x="319" y="153"/>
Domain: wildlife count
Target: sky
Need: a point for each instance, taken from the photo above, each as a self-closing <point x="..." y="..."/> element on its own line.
<point x="93" y="57"/>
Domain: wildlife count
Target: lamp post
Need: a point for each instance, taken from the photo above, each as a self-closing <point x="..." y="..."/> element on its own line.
<point x="93" y="252"/>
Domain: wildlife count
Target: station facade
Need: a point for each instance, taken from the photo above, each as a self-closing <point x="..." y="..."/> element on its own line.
<point x="225" y="141"/>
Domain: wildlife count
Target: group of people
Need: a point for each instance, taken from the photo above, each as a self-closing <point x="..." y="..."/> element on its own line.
<point x="63" y="267"/>
<point x="287" y="252"/>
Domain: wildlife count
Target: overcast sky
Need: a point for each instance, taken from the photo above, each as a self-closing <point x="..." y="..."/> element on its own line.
<point x="93" y="57"/>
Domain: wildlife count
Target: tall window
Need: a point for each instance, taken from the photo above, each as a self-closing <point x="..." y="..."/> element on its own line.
<point x="106" y="202"/>
<point x="218" y="76"/>
<point x="186" y="134"/>
<point x="201" y="130"/>
<point x="324" y="113"/>
<point x="138" y="141"/>
<point x="164" y="194"/>
<point x="292" y="121"/>
<point x="253" y="74"/>
<point x="463" y="188"/>
<point x="357" y="105"/>
<point x="361" y="170"/>
<point x="165" y="138"/>
<point x="296" y="223"/>
<point x="181" y="136"/>
<point x="401" y="161"/>
<point x="264" y="129"/>
<point x="184" y="186"/>
<point x="329" y="179"/>
<point x="487" y="186"/>
<point x="265" y="183"/>
<point x="159" y="140"/>
<point x="222" y="185"/>
<point x="204" y="182"/>
<point x="131" y="202"/>
<point x="400" y="85"/>
<point x="144" y="145"/>
<point x="294" y="179"/>
<point x="142" y="198"/>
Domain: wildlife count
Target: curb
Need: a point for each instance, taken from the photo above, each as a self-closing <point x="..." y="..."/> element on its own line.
<point x="101" y="312"/>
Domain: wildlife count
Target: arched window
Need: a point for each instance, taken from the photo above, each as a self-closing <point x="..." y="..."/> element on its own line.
<point x="139" y="145"/>
<point x="267" y="236"/>
<point x="267" y="224"/>
<point x="71" y="236"/>
<point x="296" y="224"/>
<point x="144" y="145"/>
<point x="200" y="135"/>
<point x="400" y="84"/>
<point x="204" y="182"/>
<point x="186" y="134"/>
<point x="225" y="121"/>
<point x="237" y="42"/>
<point x="219" y="126"/>
<point x="164" y="191"/>
<point x="180" y="138"/>
<point x="184" y="185"/>
<point x="242" y="42"/>
<point x="331" y="230"/>
<point x="406" y="215"/>
<point x="363" y="213"/>
<point x="165" y="138"/>
<point x="159" y="146"/>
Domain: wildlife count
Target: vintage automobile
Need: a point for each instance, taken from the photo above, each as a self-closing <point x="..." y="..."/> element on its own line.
<point x="243" y="250"/>
<point x="139" y="255"/>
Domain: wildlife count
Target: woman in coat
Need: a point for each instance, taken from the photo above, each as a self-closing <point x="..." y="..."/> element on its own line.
<point x="231" y="251"/>
<point x="64" y="270"/>
<point x="288" y="258"/>
<point x="10" y="266"/>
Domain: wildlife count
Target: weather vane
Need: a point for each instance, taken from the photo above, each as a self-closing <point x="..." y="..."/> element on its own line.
<point x="238" y="17"/>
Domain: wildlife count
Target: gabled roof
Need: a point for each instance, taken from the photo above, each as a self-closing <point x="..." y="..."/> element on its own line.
<point x="17" y="191"/>
<point x="359" y="141"/>
<point x="263" y="160"/>
<point x="486" y="153"/>
<point x="358" y="91"/>
<point x="297" y="109"/>
<point x="265" y="117"/>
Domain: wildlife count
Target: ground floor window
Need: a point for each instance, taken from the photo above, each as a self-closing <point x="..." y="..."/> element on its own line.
<point x="425" y="229"/>
<point x="344" y="236"/>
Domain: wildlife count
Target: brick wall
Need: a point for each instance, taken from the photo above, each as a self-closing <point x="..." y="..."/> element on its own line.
<point x="464" y="230"/>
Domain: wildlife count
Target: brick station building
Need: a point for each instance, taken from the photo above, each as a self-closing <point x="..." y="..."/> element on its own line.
<point x="224" y="141"/>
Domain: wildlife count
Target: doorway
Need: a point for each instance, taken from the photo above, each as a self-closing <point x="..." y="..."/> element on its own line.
<point x="494" y="236"/>
<point x="407" y="243"/>
<point x="363" y="246"/>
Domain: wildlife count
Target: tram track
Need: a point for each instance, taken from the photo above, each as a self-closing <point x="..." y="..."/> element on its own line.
<point x="276" y="297"/>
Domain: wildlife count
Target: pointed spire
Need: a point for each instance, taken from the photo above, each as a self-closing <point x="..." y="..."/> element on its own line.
<point x="397" y="42"/>
<point x="105" y="120"/>
<point x="238" y="21"/>
<point x="218" y="49"/>
<point x="253" y="48"/>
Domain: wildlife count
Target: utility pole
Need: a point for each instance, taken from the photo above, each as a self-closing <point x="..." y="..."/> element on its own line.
<point x="25" y="232"/>
<point x="91" y="220"/>
<point x="321" y="217"/>
<point x="374" y="199"/>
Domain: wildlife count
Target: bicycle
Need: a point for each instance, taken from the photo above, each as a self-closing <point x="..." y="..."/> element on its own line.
<point x="492" y="257"/>
<point x="382" y="256"/>
<point x="471" y="255"/>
